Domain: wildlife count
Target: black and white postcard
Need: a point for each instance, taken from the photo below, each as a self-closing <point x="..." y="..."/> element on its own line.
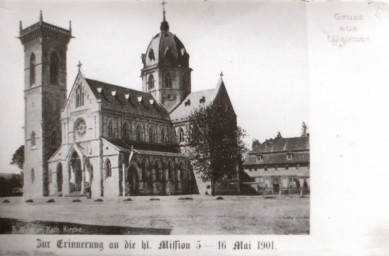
<point x="193" y="128"/>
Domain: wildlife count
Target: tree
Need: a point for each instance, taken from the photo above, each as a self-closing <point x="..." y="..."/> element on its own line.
<point x="215" y="145"/>
<point x="304" y="129"/>
<point x="18" y="157"/>
<point x="255" y="143"/>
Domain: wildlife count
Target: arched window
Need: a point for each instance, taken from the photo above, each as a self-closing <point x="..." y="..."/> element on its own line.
<point x="157" y="172"/>
<point x="79" y="96"/>
<point x="151" y="135"/>
<point x="150" y="82"/>
<point x="110" y="128"/>
<point x="139" y="132"/>
<point x="168" y="81"/>
<point x="32" y="175"/>
<point x="33" y="139"/>
<point x="126" y="131"/>
<point x="54" y="68"/>
<point x="107" y="167"/>
<point x="53" y="138"/>
<point x="170" y="172"/>
<point x="181" y="135"/>
<point x="162" y="135"/>
<point x="144" y="173"/>
<point x="32" y="69"/>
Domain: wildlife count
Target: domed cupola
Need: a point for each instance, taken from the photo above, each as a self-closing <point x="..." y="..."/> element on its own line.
<point x="166" y="71"/>
<point x="165" y="49"/>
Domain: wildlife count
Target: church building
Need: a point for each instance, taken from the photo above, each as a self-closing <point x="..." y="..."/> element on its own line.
<point x="105" y="140"/>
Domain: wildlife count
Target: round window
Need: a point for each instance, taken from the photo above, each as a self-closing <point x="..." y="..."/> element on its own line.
<point x="80" y="127"/>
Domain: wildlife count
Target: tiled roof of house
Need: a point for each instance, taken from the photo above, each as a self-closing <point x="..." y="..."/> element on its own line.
<point x="127" y="100"/>
<point x="193" y="101"/>
<point x="284" y="144"/>
<point x="278" y="159"/>
<point x="276" y="152"/>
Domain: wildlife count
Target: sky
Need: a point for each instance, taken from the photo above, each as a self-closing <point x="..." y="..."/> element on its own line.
<point x="261" y="48"/>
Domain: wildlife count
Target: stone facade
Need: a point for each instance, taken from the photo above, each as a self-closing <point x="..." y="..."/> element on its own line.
<point x="45" y="49"/>
<point x="108" y="140"/>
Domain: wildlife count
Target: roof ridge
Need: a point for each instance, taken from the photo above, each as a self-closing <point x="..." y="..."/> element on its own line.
<point x="114" y="85"/>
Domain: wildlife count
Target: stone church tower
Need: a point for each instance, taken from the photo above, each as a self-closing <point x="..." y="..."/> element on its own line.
<point x="45" y="48"/>
<point x="166" y="71"/>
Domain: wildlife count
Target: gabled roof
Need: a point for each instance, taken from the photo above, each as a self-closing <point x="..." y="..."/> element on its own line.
<point x="113" y="97"/>
<point x="275" y="152"/>
<point x="283" y="144"/>
<point x="194" y="101"/>
<point x="278" y="159"/>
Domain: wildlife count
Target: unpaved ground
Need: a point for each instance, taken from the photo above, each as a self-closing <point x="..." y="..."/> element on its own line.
<point x="203" y="215"/>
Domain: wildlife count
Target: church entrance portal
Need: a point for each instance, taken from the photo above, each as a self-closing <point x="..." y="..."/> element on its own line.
<point x="133" y="181"/>
<point x="59" y="178"/>
<point x="76" y="173"/>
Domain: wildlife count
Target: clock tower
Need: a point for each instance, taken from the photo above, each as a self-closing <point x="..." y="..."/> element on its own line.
<point x="45" y="48"/>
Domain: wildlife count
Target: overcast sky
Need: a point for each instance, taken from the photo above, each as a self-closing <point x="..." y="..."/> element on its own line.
<point x="261" y="48"/>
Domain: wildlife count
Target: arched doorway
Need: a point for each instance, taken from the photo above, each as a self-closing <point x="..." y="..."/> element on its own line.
<point x="297" y="186"/>
<point x="133" y="181"/>
<point x="75" y="162"/>
<point x="305" y="187"/>
<point x="276" y="184"/>
<point x="59" y="178"/>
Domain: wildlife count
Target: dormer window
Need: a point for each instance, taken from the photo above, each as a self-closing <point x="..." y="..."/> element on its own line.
<point x="259" y="158"/>
<point x="202" y="100"/>
<point x="289" y="156"/>
<point x="187" y="103"/>
<point x="151" y="54"/>
<point x="168" y="54"/>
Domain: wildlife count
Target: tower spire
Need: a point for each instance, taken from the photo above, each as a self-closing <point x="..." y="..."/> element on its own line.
<point x="164" y="23"/>
<point x="41" y="16"/>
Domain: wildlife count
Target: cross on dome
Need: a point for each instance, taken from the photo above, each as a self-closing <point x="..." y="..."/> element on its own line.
<point x="163" y="7"/>
<point x="164" y="23"/>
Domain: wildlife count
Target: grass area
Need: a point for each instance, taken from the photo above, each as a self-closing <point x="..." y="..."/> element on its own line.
<point x="202" y="215"/>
